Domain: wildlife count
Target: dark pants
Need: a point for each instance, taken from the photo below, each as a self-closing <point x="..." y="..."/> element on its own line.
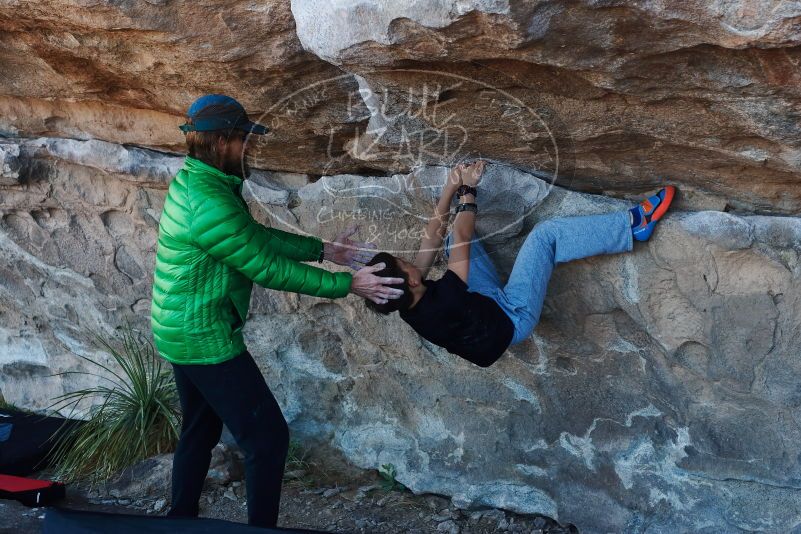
<point x="232" y="392"/>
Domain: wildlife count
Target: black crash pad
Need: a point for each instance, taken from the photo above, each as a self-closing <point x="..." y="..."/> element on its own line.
<point x="64" y="521"/>
<point x="30" y="491"/>
<point x="27" y="439"/>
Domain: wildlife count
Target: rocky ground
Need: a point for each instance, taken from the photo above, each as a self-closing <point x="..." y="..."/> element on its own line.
<point x="314" y="498"/>
<point x="363" y="505"/>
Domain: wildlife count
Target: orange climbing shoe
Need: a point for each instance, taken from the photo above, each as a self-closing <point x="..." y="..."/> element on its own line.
<point x="646" y="214"/>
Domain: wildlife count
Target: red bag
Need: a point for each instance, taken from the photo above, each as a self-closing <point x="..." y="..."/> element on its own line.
<point x="29" y="491"/>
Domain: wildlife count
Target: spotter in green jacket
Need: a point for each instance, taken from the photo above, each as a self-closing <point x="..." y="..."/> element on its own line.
<point x="210" y="251"/>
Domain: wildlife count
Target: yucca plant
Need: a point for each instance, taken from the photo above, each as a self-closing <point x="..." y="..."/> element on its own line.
<point x="133" y="414"/>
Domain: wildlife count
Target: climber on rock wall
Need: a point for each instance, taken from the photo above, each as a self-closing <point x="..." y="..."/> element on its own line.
<point x="210" y="251"/>
<point x="468" y="311"/>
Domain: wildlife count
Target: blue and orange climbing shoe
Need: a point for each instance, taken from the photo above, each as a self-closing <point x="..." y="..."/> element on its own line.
<point x="645" y="215"/>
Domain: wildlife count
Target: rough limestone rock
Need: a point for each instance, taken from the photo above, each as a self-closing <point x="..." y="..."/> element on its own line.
<point x="610" y="96"/>
<point x="126" y="73"/>
<point x="659" y="393"/>
<point x="150" y="479"/>
<point x="604" y="96"/>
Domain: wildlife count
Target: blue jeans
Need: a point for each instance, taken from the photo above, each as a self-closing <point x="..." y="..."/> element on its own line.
<point x="549" y="242"/>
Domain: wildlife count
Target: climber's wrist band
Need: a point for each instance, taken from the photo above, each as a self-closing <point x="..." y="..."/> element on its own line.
<point x="466" y="190"/>
<point x="322" y="252"/>
<point x="467" y="206"/>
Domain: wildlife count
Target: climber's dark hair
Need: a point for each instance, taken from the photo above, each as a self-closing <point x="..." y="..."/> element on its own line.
<point x="393" y="270"/>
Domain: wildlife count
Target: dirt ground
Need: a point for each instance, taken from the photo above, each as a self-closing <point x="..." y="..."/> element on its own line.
<point x="332" y="502"/>
<point x="363" y="505"/>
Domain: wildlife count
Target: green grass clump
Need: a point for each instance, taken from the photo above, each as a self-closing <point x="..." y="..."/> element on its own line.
<point x="388" y="475"/>
<point x="134" y="413"/>
<point x="5" y="405"/>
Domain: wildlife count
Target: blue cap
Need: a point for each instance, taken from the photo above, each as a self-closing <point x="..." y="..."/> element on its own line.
<point x="219" y="112"/>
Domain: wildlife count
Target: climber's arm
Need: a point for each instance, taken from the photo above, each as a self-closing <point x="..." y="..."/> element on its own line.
<point x="462" y="234"/>
<point x="465" y="225"/>
<point x="438" y="224"/>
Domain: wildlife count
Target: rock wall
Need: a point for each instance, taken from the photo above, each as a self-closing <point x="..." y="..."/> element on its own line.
<point x="705" y="93"/>
<point x="610" y="96"/>
<point x="660" y="391"/>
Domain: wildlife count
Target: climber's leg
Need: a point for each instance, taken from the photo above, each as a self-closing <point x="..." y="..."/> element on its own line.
<point x="557" y="241"/>
<point x="562" y="240"/>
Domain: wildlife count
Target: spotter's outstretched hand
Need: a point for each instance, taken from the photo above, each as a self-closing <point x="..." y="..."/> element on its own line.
<point x="345" y="251"/>
<point x="375" y="288"/>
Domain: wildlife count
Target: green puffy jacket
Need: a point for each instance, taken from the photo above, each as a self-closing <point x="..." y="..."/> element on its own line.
<point x="210" y="251"/>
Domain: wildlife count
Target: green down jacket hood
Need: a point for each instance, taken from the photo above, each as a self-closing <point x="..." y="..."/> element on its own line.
<point x="210" y="251"/>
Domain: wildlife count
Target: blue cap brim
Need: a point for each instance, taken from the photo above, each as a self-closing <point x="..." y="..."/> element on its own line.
<point x="253" y="128"/>
<point x="217" y="123"/>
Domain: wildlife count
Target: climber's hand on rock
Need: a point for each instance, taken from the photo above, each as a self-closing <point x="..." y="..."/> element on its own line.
<point x="376" y="288"/>
<point x="471" y="175"/>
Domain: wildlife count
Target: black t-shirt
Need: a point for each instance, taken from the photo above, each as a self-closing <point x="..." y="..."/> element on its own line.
<point x="467" y="324"/>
